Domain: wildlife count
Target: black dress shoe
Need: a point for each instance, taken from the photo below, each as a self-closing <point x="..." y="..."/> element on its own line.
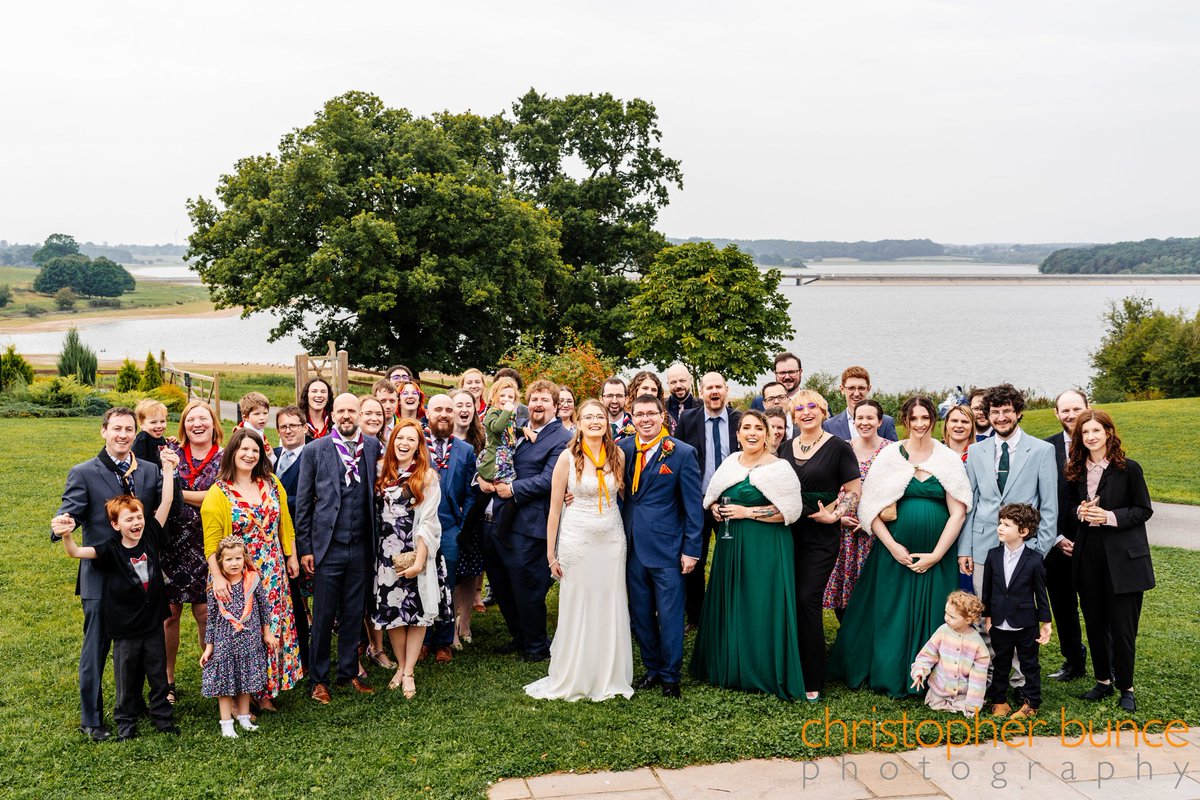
<point x="671" y="690"/>
<point x="125" y="736"/>
<point x="648" y="682"/>
<point x="96" y="734"/>
<point x="1127" y="702"/>
<point x="1098" y="692"/>
<point x="1068" y="673"/>
<point x="507" y="648"/>
<point x="533" y="657"/>
<point x="171" y="729"/>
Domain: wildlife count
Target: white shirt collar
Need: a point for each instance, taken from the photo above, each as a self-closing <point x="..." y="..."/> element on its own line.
<point x="1013" y="439"/>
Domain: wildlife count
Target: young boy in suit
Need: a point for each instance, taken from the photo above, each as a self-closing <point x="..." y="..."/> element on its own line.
<point x="1016" y="610"/>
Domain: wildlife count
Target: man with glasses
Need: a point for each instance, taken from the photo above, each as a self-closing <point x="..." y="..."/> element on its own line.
<point x="712" y="431"/>
<point x="289" y="422"/>
<point x="855" y="386"/>
<point x="774" y="395"/>
<point x="787" y="372"/>
<point x="613" y="397"/>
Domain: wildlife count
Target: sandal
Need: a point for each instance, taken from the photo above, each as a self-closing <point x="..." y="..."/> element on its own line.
<point x="380" y="659"/>
<point x="394" y="683"/>
<point x="171" y="692"/>
<point x="409" y="694"/>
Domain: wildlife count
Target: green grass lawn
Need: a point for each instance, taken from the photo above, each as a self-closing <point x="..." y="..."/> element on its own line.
<point x="148" y="294"/>
<point x="470" y="723"/>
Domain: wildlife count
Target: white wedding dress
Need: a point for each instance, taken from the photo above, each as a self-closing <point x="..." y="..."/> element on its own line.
<point x="592" y="653"/>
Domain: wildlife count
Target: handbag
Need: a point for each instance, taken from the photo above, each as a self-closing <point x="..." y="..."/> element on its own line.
<point x="888" y="514"/>
<point x="404" y="561"/>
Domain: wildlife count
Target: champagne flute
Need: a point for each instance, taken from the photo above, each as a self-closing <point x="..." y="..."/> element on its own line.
<point x="725" y="501"/>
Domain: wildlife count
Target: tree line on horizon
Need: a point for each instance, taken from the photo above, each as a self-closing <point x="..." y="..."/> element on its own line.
<point x="1147" y="257"/>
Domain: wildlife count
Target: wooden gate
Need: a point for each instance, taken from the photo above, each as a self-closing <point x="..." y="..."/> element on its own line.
<point x="333" y="366"/>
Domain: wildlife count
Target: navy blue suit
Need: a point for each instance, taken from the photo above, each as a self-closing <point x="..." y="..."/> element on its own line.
<point x="516" y="564"/>
<point x="839" y="426"/>
<point x="457" y="497"/>
<point x="663" y="521"/>
<point x="1020" y="603"/>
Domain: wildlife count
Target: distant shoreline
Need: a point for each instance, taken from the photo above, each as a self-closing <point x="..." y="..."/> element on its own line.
<point x="809" y="277"/>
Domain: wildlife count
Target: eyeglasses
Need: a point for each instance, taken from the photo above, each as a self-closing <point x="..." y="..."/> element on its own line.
<point x="647" y="415"/>
<point x="593" y="418"/>
<point x="410" y="394"/>
<point x="787" y="372"/>
<point x="566" y="401"/>
<point x="612" y="396"/>
<point x="778" y="398"/>
<point x="809" y="406"/>
<point x="290" y="427"/>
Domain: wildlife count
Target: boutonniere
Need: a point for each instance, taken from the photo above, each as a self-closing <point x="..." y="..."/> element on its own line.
<point x="665" y="450"/>
<point x="628" y="430"/>
<point x="664" y="470"/>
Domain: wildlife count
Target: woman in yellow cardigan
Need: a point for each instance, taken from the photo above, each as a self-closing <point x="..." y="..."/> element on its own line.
<point x="248" y="501"/>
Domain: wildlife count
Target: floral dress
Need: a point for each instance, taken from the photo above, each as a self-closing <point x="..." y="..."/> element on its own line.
<point x="184" y="566"/>
<point x="397" y="601"/>
<point x="239" y="658"/>
<point x="258" y="525"/>
<point x="852" y="552"/>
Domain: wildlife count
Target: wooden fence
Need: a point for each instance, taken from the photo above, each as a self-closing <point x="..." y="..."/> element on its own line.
<point x="205" y="388"/>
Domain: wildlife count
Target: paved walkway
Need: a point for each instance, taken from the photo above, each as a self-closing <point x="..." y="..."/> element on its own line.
<point x="1047" y="769"/>
<point x="1175" y="526"/>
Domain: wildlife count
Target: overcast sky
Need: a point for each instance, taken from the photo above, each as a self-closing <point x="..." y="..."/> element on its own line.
<point x="960" y="121"/>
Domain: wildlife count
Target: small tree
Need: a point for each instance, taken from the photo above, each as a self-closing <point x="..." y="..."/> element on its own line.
<point x="710" y="309"/>
<point x="128" y="377"/>
<point x="65" y="299"/>
<point x="151" y="375"/>
<point x="5" y="294"/>
<point x="14" y="369"/>
<point x="77" y="359"/>
<point x="579" y="366"/>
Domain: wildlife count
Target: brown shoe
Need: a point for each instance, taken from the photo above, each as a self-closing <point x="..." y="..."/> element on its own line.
<point x="424" y="654"/>
<point x="1001" y="710"/>
<point x="320" y="693"/>
<point x="443" y="655"/>
<point x="1026" y="712"/>
<point x="361" y="686"/>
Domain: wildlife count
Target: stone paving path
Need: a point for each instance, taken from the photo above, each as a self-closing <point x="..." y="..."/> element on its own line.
<point x="1049" y="768"/>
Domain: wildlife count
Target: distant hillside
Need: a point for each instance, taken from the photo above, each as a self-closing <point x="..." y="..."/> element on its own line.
<point x="785" y="251"/>
<point x="1151" y="256"/>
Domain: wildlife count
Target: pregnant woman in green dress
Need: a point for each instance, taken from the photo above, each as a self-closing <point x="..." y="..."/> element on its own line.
<point x="898" y="602"/>
<point x="748" y="636"/>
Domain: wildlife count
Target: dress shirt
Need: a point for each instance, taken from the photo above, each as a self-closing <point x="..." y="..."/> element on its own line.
<point x="710" y="465"/>
<point x="286" y="463"/>
<point x="1012" y="440"/>
<point x="1011" y="557"/>
<point x="850" y="423"/>
<point x="1095" y="471"/>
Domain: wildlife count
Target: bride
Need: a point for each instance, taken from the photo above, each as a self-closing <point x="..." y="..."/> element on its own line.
<point x="592" y="654"/>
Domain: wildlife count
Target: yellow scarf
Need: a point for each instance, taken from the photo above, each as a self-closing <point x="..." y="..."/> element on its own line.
<point x="641" y="455"/>
<point x="598" y="462"/>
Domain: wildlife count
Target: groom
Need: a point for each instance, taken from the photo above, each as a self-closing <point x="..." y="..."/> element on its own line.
<point x="663" y="521"/>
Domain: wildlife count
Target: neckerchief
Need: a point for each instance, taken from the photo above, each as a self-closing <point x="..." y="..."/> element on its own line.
<point x="598" y="462"/>
<point x="124" y="478"/>
<point x="642" y="449"/>
<point x="249" y="582"/>
<point x="188" y="473"/>
<point x="312" y="429"/>
<point x="349" y="461"/>
<point x="397" y="489"/>
<point x="431" y="443"/>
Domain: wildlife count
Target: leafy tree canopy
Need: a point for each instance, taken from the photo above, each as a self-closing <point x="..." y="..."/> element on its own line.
<point x="55" y="246"/>
<point x="90" y="278"/>
<point x="1150" y="256"/>
<point x="712" y="310"/>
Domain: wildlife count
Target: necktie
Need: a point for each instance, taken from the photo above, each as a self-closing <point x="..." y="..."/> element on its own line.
<point x="1002" y="467"/>
<point x="718" y="455"/>
<point x="123" y="466"/>
<point x="285" y="460"/>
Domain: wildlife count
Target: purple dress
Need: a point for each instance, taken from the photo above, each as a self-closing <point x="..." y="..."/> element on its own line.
<point x="239" y="659"/>
<point x="182" y="557"/>
<point x="397" y="601"/>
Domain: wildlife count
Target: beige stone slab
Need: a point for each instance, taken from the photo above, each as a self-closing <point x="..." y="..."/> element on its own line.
<point x="884" y="774"/>
<point x="762" y="779"/>
<point x="509" y="789"/>
<point x="1164" y="788"/>
<point x="569" y="784"/>
<point x="986" y="771"/>
<point x="635" y="794"/>
<point x="1080" y="760"/>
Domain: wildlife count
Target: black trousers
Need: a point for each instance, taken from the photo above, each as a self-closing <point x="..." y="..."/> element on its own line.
<point x="1024" y="643"/>
<point x="693" y="582"/>
<point x="339" y="592"/>
<point x="136" y="662"/>
<point x="1111" y="618"/>
<point x="1060" y="586"/>
<point x="520" y="578"/>
<point x="816" y="550"/>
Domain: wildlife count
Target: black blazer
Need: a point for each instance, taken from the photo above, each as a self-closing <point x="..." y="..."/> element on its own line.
<point x="692" y="428"/>
<point x="1023" y="603"/>
<point x="1124" y="493"/>
<point x="1067" y="523"/>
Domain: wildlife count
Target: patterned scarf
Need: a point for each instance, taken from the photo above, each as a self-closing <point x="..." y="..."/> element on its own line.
<point x="189" y="471"/>
<point x="598" y="463"/>
<point x="642" y="449"/>
<point x="249" y="582"/>
<point x="312" y="429"/>
<point x="124" y="477"/>
<point x="443" y="460"/>
<point x="349" y="460"/>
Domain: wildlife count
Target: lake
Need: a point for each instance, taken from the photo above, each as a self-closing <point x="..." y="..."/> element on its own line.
<point x="1035" y="336"/>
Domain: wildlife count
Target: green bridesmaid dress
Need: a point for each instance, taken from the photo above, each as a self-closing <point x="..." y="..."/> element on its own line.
<point x="893" y="610"/>
<point x="748" y="636"/>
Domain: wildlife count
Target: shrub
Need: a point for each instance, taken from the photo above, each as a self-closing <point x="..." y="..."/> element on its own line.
<point x="15" y="371"/>
<point x="104" y="302"/>
<point x="77" y="359"/>
<point x="128" y="376"/>
<point x="578" y="366"/>
<point x="65" y="299"/>
<point x="34" y="310"/>
<point x="60" y="392"/>
<point x="171" y="396"/>
<point x="1146" y="354"/>
<point x="151" y="375"/>
<point x="5" y="294"/>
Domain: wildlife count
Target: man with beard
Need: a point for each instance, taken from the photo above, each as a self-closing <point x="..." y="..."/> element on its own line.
<point x="613" y="398"/>
<point x="679" y="391"/>
<point x="516" y="564"/>
<point x="712" y="431"/>
<point x="454" y="460"/>
<point x="983" y="428"/>
<point x="335" y="536"/>
<point x="789" y="373"/>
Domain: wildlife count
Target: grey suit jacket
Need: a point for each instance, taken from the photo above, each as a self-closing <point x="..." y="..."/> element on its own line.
<point x="319" y="493"/>
<point x="1032" y="479"/>
<point x="89" y="486"/>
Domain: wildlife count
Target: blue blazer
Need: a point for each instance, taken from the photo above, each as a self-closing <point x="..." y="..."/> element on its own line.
<point x="89" y="486"/>
<point x="1023" y="603"/>
<point x="664" y="519"/>
<point x="839" y="426"/>
<point x="534" y="464"/>
<point x="319" y="492"/>
<point x="455" y="480"/>
<point x="1032" y="478"/>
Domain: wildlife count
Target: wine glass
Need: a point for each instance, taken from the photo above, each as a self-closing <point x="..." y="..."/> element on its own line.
<point x="725" y="500"/>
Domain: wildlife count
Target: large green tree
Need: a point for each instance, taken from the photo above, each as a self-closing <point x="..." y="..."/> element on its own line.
<point x="595" y="163"/>
<point x="710" y="309"/>
<point x="92" y="278"/>
<point x="55" y="246"/>
<point x="396" y="236"/>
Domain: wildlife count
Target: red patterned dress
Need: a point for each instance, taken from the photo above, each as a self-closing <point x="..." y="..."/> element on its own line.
<point x="852" y="552"/>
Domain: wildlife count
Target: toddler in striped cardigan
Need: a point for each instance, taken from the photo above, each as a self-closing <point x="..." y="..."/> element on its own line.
<point x="954" y="662"/>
